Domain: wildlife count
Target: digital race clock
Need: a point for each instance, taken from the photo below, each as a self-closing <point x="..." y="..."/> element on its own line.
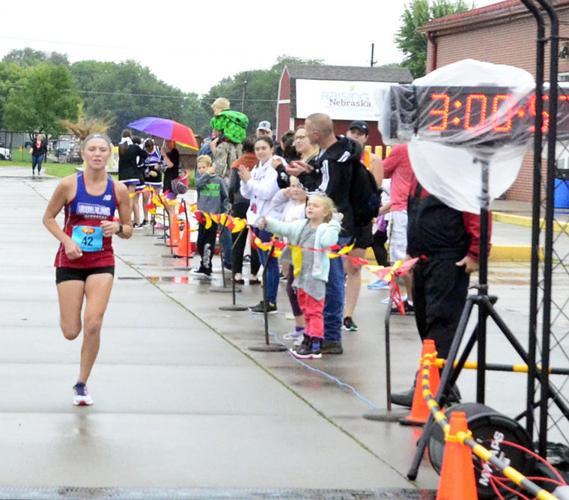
<point x="461" y="115"/>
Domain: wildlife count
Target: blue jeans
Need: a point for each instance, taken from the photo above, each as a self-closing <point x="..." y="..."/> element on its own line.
<point x="37" y="161"/>
<point x="226" y="242"/>
<point x="334" y="302"/>
<point x="272" y="267"/>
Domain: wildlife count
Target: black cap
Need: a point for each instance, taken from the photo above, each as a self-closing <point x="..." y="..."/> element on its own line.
<point x="359" y="125"/>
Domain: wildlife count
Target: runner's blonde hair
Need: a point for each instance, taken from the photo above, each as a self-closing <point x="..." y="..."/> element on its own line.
<point x="90" y="137"/>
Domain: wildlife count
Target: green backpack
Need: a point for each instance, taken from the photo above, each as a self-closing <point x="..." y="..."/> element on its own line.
<point x="233" y="124"/>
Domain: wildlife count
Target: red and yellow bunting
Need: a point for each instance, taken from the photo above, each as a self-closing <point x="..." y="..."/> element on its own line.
<point x="234" y="224"/>
<point x="399" y="268"/>
<point x="277" y="246"/>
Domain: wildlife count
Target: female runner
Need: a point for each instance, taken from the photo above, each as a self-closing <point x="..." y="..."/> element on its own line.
<point x="85" y="260"/>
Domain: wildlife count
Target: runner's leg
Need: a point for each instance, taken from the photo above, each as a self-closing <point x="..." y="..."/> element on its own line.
<point x="70" y="294"/>
<point x="41" y="158"/>
<point x="97" y="292"/>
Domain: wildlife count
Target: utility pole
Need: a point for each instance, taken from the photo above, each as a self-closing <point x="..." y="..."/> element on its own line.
<point x="243" y="92"/>
<point x="372" y="62"/>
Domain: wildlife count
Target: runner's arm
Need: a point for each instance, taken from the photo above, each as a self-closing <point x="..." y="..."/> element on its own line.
<point x="58" y="200"/>
<point x="123" y="202"/>
<point x="60" y="197"/>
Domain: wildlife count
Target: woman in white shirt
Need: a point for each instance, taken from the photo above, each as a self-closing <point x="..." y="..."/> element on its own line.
<point x="260" y="186"/>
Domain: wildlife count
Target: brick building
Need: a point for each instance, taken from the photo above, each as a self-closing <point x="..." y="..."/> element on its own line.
<point x="501" y="33"/>
<point x="345" y="93"/>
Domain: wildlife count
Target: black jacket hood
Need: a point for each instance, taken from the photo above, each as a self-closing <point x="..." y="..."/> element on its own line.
<point x="344" y="150"/>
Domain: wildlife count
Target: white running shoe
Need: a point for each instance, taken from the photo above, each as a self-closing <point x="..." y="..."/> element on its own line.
<point x="82" y="396"/>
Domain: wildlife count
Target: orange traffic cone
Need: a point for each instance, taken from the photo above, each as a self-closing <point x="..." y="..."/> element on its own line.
<point x="174" y="239"/>
<point x="419" y="409"/>
<point x="457" y="472"/>
<point x="184" y="249"/>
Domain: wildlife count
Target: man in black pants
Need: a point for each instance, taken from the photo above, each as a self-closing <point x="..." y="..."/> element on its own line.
<point x="448" y="242"/>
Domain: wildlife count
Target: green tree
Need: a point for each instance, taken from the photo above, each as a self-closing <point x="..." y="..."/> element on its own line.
<point x="194" y="114"/>
<point x="127" y="91"/>
<point x="44" y="96"/>
<point x="414" y="44"/>
<point x="253" y="92"/>
<point x="11" y="77"/>
<point x="29" y="57"/>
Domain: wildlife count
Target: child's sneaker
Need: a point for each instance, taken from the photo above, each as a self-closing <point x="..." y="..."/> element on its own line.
<point x="82" y="397"/>
<point x="308" y="349"/>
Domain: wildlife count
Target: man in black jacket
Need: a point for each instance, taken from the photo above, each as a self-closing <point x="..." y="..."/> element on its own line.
<point x="448" y="243"/>
<point x="331" y="173"/>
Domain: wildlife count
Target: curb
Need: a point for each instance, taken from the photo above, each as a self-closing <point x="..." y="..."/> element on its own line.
<point x="512" y="253"/>
<point x="499" y="253"/>
<point x="522" y="220"/>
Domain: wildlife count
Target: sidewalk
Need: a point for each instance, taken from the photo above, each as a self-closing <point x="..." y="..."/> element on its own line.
<point x="183" y="408"/>
<point x="179" y="406"/>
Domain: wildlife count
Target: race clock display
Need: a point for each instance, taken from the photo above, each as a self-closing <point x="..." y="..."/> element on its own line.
<point x="459" y="115"/>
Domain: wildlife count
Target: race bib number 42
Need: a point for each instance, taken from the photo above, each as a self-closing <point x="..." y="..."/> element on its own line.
<point x="89" y="238"/>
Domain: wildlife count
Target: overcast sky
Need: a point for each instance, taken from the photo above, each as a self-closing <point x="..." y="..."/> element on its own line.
<point x="192" y="45"/>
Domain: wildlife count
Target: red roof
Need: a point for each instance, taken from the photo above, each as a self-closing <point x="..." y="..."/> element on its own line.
<point x="492" y="12"/>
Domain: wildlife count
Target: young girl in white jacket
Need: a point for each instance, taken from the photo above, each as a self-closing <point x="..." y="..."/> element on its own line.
<point x="260" y="186"/>
<point x="291" y="203"/>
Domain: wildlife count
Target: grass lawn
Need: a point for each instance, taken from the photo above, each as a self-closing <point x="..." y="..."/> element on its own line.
<point x="16" y="163"/>
<point x="50" y="168"/>
<point x="21" y="158"/>
<point x="60" y="169"/>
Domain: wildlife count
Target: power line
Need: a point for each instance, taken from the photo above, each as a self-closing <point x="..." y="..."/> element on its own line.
<point x="209" y="99"/>
<point x="161" y="96"/>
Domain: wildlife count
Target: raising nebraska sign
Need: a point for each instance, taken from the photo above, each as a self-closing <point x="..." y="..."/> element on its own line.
<point x="341" y="100"/>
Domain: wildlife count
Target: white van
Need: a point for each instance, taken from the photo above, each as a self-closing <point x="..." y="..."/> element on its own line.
<point x="5" y="154"/>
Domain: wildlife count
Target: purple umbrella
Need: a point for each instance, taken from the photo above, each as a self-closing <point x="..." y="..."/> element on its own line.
<point x="166" y="129"/>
